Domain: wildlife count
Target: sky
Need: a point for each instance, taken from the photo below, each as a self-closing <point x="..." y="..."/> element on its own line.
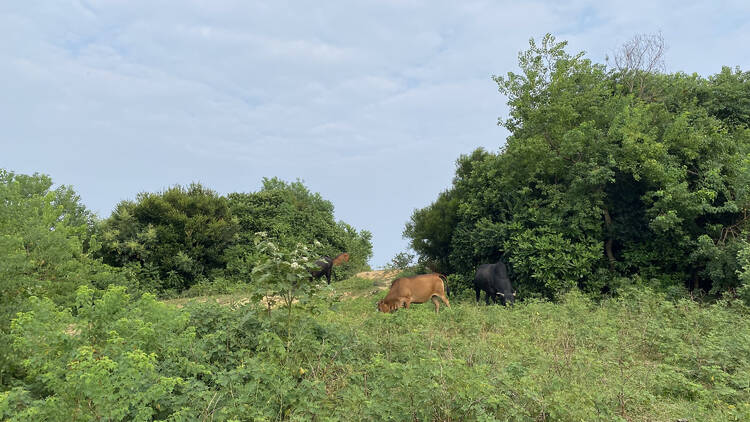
<point x="370" y="103"/>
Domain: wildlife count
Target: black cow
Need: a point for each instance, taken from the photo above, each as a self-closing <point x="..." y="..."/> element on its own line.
<point x="326" y="264"/>
<point x="494" y="280"/>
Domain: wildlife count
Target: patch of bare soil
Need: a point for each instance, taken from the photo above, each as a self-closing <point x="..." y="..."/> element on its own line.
<point x="381" y="280"/>
<point x="228" y="300"/>
<point x="379" y="275"/>
<point x="72" y="330"/>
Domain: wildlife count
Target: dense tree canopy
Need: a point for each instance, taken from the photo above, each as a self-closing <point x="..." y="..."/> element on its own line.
<point x="182" y="236"/>
<point x="292" y="214"/>
<point x="43" y="237"/>
<point x="171" y="239"/>
<point x="597" y="181"/>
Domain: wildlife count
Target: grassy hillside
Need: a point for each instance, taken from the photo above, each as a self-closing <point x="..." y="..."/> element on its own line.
<point x="636" y="358"/>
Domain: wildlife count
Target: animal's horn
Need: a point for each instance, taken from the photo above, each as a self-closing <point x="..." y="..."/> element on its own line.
<point x="501" y="294"/>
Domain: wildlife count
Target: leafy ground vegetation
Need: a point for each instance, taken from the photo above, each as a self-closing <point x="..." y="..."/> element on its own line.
<point x="636" y="357"/>
<point x="620" y="202"/>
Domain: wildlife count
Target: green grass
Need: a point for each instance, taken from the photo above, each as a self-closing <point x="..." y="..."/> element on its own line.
<point x="635" y="358"/>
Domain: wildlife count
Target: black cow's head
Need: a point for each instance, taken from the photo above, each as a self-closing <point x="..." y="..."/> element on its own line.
<point x="508" y="299"/>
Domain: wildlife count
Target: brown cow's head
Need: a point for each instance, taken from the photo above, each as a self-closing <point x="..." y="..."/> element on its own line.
<point x="342" y="257"/>
<point x="382" y="306"/>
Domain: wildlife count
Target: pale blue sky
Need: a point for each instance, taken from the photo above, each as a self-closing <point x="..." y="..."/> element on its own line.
<point x="370" y="103"/>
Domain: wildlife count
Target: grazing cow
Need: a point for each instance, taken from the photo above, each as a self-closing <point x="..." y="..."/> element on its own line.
<point x="418" y="289"/>
<point x="326" y="264"/>
<point x="494" y="280"/>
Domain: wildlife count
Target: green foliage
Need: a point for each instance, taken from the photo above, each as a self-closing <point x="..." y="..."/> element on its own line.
<point x="282" y="273"/>
<point x="728" y="98"/>
<point x="185" y="237"/>
<point x="111" y="357"/>
<point x="290" y="214"/>
<point x="402" y="260"/>
<point x="171" y="240"/>
<point x="44" y="237"/>
<point x="743" y="273"/>
<point x="595" y="183"/>
<point x="106" y="362"/>
<point x="636" y="357"/>
<point x="426" y="229"/>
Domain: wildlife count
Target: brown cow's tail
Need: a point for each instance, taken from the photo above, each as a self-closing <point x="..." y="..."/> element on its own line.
<point x="445" y="283"/>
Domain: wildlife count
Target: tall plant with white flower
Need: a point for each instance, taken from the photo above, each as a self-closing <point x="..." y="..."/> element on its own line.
<point x="283" y="275"/>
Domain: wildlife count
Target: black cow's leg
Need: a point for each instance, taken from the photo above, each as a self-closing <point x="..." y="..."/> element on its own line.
<point x="479" y="291"/>
<point x="487" y="297"/>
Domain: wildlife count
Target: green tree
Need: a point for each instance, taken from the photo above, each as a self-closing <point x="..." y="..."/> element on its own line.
<point x="43" y="236"/>
<point x="290" y="214"/>
<point x="598" y="179"/>
<point x="170" y="239"/>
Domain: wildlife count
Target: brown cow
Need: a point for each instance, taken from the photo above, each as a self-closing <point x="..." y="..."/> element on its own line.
<point x="418" y="289"/>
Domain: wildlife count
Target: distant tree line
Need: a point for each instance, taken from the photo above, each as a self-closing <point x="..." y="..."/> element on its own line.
<point x="608" y="177"/>
<point x="185" y="235"/>
<point x="160" y="242"/>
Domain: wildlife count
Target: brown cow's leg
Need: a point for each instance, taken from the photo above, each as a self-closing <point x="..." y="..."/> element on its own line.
<point x="436" y="302"/>
<point x="407" y="303"/>
<point x="445" y="300"/>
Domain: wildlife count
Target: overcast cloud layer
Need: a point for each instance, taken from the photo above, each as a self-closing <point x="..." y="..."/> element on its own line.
<point x="369" y="103"/>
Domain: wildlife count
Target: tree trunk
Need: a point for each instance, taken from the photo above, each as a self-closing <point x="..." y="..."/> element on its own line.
<point x="610" y="241"/>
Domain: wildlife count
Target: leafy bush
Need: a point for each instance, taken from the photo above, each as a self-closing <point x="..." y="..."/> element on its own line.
<point x="290" y="214"/>
<point x="191" y="236"/>
<point x="401" y="261"/>
<point x="45" y="250"/>
<point x="635" y="357"/>
<point x="170" y="240"/>
<point x="597" y="181"/>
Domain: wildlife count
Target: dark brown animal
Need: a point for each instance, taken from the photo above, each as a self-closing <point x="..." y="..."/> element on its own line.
<point x="326" y="264"/>
<point x="418" y="289"/>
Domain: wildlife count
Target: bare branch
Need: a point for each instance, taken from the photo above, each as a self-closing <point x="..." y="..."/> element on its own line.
<point x="640" y="56"/>
<point x="643" y="53"/>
